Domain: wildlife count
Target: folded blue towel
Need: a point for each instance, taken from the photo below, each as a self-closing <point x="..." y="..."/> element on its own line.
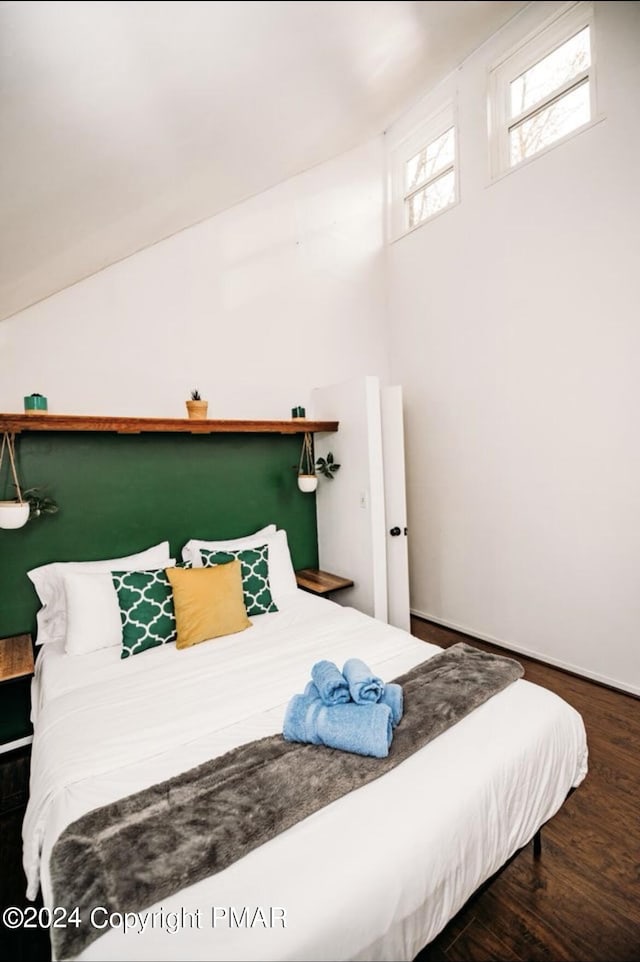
<point x="330" y="682"/>
<point x="364" y="686"/>
<point x="393" y="697"/>
<point x="362" y="729"/>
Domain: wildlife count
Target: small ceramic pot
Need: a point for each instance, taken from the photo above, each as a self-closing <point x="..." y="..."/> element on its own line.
<point x="35" y="404"/>
<point x="197" y="409"/>
<point x="13" y="514"/>
<point x="307" y="482"/>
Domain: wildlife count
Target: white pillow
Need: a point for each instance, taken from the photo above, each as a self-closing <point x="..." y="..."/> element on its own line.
<point x="92" y="611"/>
<point x="282" y="579"/>
<point x="191" y="551"/>
<point x="48" y="582"/>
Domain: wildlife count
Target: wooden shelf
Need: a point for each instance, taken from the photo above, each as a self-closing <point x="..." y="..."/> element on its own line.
<point x="15" y="423"/>
<point x="320" y="582"/>
<point x="16" y="657"/>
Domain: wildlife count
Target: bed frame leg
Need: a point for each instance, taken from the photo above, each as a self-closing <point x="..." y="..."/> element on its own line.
<point x="537" y="844"/>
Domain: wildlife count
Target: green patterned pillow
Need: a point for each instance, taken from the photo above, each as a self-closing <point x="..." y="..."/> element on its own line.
<point x="146" y="610"/>
<point x="254" y="563"/>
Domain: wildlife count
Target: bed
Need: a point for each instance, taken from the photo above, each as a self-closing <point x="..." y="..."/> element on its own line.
<point x="376" y="874"/>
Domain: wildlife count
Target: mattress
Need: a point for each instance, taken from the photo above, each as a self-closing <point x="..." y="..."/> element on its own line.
<point x="376" y="874"/>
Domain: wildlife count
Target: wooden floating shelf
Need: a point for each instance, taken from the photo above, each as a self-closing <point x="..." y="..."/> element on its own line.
<point x="15" y="423"/>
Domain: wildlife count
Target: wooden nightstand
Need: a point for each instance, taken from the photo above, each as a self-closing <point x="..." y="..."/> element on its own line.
<point x="320" y="582"/>
<point x="16" y="669"/>
<point x="16" y="657"/>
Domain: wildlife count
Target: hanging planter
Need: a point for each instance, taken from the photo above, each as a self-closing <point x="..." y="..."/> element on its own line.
<point x="307" y="478"/>
<point x="307" y="483"/>
<point x="13" y="514"/>
<point x="32" y="503"/>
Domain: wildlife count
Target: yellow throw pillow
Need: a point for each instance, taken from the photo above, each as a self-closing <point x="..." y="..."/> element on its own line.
<point x="208" y="602"/>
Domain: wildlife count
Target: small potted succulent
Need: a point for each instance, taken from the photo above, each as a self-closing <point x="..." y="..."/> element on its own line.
<point x="196" y="407"/>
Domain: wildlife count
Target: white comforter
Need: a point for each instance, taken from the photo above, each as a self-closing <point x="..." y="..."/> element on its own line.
<point x="375" y="875"/>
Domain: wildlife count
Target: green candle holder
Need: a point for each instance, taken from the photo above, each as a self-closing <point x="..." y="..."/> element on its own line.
<point x="35" y="404"/>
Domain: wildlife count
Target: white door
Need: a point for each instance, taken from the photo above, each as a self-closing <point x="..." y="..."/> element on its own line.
<point x="350" y="509"/>
<point x="395" y="502"/>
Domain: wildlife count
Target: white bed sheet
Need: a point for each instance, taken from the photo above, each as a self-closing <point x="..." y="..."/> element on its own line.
<point x="375" y="875"/>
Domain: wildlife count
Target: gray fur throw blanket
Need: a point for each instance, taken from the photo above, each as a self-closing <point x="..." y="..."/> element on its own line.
<point x="132" y="853"/>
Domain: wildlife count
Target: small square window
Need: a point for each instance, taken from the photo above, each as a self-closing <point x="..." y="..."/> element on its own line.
<point x="544" y="91"/>
<point x="424" y="176"/>
<point x="430" y="160"/>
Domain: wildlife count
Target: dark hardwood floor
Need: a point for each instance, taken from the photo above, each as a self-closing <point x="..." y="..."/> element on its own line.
<point x="580" y="901"/>
<point x="19" y="945"/>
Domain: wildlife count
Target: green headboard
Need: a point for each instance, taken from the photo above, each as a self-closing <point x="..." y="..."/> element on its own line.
<point x="119" y="494"/>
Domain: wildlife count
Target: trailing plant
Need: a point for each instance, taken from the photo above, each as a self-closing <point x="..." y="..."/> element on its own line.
<point x="39" y="503"/>
<point x="327" y="467"/>
<point x="310" y="466"/>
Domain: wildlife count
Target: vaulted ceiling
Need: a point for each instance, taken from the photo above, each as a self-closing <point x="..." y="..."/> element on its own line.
<point x="124" y="122"/>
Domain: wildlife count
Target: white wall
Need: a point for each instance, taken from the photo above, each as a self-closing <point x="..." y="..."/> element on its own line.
<point x="516" y="336"/>
<point x="255" y="307"/>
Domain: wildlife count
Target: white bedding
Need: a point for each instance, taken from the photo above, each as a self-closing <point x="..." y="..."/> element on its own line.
<point x="375" y="875"/>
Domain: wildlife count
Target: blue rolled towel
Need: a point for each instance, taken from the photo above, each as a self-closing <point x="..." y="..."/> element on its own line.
<point x="394" y="698"/>
<point x="330" y="682"/>
<point x="364" y="686"/>
<point x="362" y="729"/>
<point x="311" y="690"/>
<point x="300" y="717"/>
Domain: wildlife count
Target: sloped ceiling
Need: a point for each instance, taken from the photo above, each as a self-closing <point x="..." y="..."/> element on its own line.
<point x="124" y="122"/>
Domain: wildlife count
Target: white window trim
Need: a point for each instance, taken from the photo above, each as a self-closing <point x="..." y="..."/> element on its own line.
<point x="429" y="130"/>
<point x="555" y="31"/>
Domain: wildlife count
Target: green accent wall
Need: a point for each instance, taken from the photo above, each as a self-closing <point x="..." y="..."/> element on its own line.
<point x="119" y="494"/>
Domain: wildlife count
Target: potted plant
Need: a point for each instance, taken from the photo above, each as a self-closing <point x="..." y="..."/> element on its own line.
<point x="196" y="407"/>
<point x="31" y="503"/>
<point x="307" y="477"/>
<point x="13" y="514"/>
<point x="327" y="466"/>
<point x="39" y="503"/>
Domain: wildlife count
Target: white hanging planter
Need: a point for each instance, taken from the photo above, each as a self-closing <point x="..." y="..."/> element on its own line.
<point x="307" y="478"/>
<point x="307" y="482"/>
<point x="13" y="514"/>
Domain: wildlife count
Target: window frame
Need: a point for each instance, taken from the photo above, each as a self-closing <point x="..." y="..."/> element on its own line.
<point x="552" y="34"/>
<point x="421" y="137"/>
